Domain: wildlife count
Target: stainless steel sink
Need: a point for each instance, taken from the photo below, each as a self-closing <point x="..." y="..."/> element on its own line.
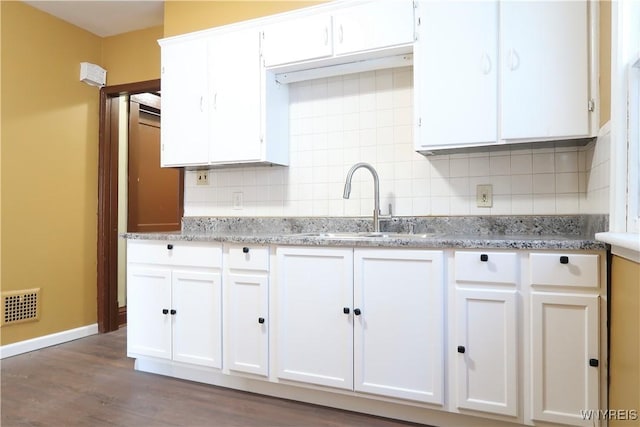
<point x="365" y="235"/>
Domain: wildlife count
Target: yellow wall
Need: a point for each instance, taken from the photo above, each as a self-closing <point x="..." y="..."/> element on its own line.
<point x="624" y="361"/>
<point x="132" y="57"/>
<point x="186" y="16"/>
<point x="49" y="168"/>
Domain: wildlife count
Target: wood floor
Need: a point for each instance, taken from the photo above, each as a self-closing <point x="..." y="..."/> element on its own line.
<point x="91" y="382"/>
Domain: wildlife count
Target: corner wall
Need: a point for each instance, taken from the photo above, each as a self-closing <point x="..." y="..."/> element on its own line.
<point x="49" y="169"/>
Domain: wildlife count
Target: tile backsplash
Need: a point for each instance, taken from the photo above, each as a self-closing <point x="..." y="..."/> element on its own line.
<point x="339" y="121"/>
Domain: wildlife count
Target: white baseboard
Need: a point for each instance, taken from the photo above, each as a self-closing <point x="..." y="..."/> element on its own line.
<point x="47" y="341"/>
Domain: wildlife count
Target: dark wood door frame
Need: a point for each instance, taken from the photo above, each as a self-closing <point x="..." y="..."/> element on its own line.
<point x="108" y="201"/>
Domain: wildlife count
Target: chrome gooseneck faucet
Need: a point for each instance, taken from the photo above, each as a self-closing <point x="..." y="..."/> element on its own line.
<point x="376" y="191"/>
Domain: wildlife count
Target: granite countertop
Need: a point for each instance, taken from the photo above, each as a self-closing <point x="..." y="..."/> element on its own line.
<point x="552" y="232"/>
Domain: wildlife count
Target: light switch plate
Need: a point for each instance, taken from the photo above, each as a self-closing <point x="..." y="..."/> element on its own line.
<point x="202" y="177"/>
<point x="484" y="195"/>
<point x="236" y="202"/>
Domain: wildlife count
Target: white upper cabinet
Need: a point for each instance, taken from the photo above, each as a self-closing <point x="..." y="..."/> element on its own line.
<point x="497" y="72"/>
<point x="545" y="69"/>
<point x="336" y="34"/>
<point x="456" y="73"/>
<point x="373" y="25"/>
<point x="185" y="103"/>
<point x="298" y="39"/>
<point x="235" y="73"/>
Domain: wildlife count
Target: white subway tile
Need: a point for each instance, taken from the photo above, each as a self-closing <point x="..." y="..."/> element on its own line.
<point x="544" y="183"/>
<point x="543" y="162"/>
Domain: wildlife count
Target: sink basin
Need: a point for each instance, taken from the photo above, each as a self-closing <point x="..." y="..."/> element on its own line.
<point x="365" y="235"/>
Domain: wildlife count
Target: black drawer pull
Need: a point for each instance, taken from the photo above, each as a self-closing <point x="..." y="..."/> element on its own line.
<point x="346" y="310"/>
<point x="461" y="349"/>
<point x="245" y="250"/>
<point x="484" y="257"/>
<point x="261" y="320"/>
<point x="357" y="312"/>
<point x="172" y="312"/>
<point x="165" y="311"/>
<point x="169" y="246"/>
<point x="564" y="260"/>
<point x="593" y="363"/>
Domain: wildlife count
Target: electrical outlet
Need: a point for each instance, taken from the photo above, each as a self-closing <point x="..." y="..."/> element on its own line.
<point x="236" y="202"/>
<point x="484" y="195"/>
<point x="202" y="177"/>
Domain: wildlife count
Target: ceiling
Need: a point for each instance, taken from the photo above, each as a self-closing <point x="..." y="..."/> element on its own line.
<point x="106" y="17"/>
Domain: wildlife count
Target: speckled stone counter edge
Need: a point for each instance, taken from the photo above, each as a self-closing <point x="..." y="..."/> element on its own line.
<point x="513" y="232"/>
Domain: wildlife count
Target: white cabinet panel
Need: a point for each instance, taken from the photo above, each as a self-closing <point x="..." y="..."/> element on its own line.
<point x="174" y="253"/>
<point x="197" y="318"/>
<point x="456" y="73"/>
<point x="315" y="335"/>
<point x="487" y="351"/>
<point x="545" y="69"/>
<point x="297" y="40"/>
<point x="185" y="103"/>
<point x="565" y="269"/>
<point x="398" y="324"/>
<point x="373" y="25"/>
<point x="486" y="267"/>
<point x="564" y="346"/>
<point x="248" y="329"/>
<point x="148" y="305"/>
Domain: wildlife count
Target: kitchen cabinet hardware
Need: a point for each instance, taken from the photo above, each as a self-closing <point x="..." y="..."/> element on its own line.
<point x="461" y="349"/>
<point x="564" y="259"/>
<point x="172" y="312"/>
<point x="169" y="246"/>
<point x="165" y="311"/>
<point x="593" y="363"/>
<point x="357" y="312"/>
<point x="346" y="310"/>
<point x="261" y="320"/>
<point x="245" y="250"/>
<point x="484" y="257"/>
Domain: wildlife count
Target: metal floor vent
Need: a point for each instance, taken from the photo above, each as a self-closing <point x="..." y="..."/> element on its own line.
<point x="20" y="306"/>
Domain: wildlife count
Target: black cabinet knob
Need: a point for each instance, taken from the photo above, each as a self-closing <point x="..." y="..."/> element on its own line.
<point x="346" y="310"/>
<point x="461" y="349"/>
<point x="564" y="260"/>
<point x="261" y="320"/>
<point x="357" y="311"/>
<point x="165" y="311"/>
<point x="593" y="363"/>
<point x="245" y="250"/>
<point x="169" y="246"/>
<point x="172" y="312"/>
<point x="484" y="257"/>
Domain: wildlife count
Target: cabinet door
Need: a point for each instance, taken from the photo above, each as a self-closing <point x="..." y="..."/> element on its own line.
<point x="237" y="92"/>
<point x="248" y="328"/>
<point x="564" y="346"/>
<point x="373" y="25"/>
<point x="545" y="69"/>
<point x="456" y="73"/>
<point x="297" y="40"/>
<point x="148" y="305"/>
<point x="197" y="321"/>
<point x="315" y="335"/>
<point x="398" y="330"/>
<point x="184" y="132"/>
<point x="487" y="351"/>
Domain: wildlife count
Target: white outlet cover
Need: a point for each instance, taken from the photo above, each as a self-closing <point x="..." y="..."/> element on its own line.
<point x="484" y="195"/>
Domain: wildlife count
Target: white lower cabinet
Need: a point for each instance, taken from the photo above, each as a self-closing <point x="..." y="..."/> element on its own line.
<point x="247" y="309"/>
<point x="174" y="311"/>
<point x="372" y="315"/>
<point x="486" y="351"/>
<point x="315" y="320"/>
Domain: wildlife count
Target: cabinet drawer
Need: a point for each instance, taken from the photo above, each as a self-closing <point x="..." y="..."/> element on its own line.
<point x="558" y="269"/>
<point x="175" y="253"/>
<point x="249" y="258"/>
<point x="486" y="267"/>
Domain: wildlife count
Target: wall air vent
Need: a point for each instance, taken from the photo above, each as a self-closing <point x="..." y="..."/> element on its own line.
<point x="20" y="306"/>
